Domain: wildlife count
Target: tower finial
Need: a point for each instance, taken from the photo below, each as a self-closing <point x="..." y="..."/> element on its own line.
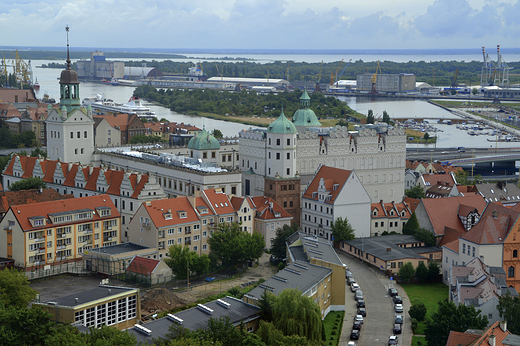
<point x="68" y="55"/>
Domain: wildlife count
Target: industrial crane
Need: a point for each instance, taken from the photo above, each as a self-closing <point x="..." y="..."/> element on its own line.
<point x="455" y="75"/>
<point x="286" y="75"/>
<point x="341" y="74"/>
<point x="335" y="76"/>
<point x="374" y="79"/>
<point x="319" y="78"/>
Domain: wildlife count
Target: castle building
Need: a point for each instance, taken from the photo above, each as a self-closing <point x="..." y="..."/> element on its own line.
<point x="70" y="129"/>
<point x="280" y="162"/>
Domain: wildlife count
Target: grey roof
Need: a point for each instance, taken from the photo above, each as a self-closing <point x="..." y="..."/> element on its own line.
<point x="511" y="340"/>
<point x="499" y="192"/>
<point x="119" y="248"/>
<point x="85" y="297"/>
<point x="71" y="212"/>
<point x="386" y="248"/>
<point x="194" y="318"/>
<point x="303" y="247"/>
<point x="425" y="249"/>
<point x="511" y="290"/>
<point x="300" y="275"/>
<point x="497" y="270"/>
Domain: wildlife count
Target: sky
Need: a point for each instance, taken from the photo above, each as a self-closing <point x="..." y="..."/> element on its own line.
<point x="262" y="24"/>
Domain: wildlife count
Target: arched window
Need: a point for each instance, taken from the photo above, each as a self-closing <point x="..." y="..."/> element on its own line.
<point x="515" y="253"/>
<point x="511" y="272"/>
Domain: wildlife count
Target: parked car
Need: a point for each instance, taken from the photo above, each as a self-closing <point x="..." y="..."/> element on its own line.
<point x="357" y="325"/>
<point x="359" y="318"/>
<point x="397" y="328"/>
<point x="351" y="281"/>
<point x="354" y="335"/>
<point x="359" y="295"/>
<point x="392" y="340"/>
<point x="399" y="319"/>
<point x="354" y="287"/>
<point x="393" y="292"/>
<point x="361" y="304"/>
<point x="348" y="274"/>
<point x="362" y="311"/>
<point x="398" y="300"/>
<point x="351" y="343"/>
<point x="399" y="308"/>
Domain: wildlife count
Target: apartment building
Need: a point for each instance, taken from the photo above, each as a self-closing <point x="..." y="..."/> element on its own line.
<point x="56" y="232"/>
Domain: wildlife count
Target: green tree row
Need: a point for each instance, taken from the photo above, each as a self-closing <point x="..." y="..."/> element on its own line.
<point x="241" y="103"/>
<point x="26" y="139"/>
<point x="442" y="71"/>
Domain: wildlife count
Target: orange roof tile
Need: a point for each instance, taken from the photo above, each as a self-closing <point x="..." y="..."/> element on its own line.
<point x="461" y="339"/>
<point x="24" y="212"/>
<point x="380" y="210"/>
<point x="443" y="212"/>
<point x="158" y="210"/>
<point x="121" y="121"/>
<point x="265" y="212"/>
<point x="495" y="330"/>
<point x="450" y="238"/>
<point x="220" y="202"/>
<point x="142" y="265"/>
<point x="412" y="203"/>
<point x="17" y="95"/>
<point x="331" y="176"/>
<point x="434" y="179"/>
<point x="10" y="198"/>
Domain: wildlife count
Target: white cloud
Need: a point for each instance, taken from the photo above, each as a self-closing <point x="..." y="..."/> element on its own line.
<point x="295" y="24"/>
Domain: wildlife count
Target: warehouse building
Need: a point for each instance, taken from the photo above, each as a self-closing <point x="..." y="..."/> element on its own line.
<point x="387" y="83"/>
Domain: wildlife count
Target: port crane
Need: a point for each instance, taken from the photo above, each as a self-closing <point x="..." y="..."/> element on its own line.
<point x="455" y="75"/>
<point x="373" y="79"/>
<point x="335" y="76"/>
<point x="287" y="72"/>
<point x="341" y="74"/>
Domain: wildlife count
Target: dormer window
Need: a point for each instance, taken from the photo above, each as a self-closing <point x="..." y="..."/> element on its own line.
<point x="37" y="221"/>
<point x="168" y="216"/>
<point x="202" y="210"/>
<point x="182" y="214"/>
<point x="314" y="194"/>
<point x="374" y="212"/>
<point x="335" y="187"/>
<point x="104" y="211"/>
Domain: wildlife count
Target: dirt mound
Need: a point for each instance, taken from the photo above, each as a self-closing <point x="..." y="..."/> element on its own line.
<point x="160" y="299"/>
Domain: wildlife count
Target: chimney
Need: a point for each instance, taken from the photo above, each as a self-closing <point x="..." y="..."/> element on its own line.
<point x="76" y="299"/>
<point x="492" y="340"/>
<point x="503" y="326"/>
<point x="109" y="291"/>
<point x="388" y="249"/>
<point x="471" y="277"/>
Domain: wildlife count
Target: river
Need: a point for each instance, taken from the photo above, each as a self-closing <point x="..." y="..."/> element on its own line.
<point x="396" y="108"/>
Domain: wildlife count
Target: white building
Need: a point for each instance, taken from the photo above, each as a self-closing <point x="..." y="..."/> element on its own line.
<point x="376" y="152"/>
<point x="335" y="193"/>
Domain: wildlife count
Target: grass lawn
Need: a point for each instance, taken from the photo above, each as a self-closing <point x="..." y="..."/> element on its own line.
<point x="429" y="294"/>
<point x="333" y="324"/>
<point x="418" y="340"/>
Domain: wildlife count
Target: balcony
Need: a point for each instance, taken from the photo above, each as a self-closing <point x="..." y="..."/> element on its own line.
<point x="88" y="231"/>
<point x="187" y="242"/>
<point x="61" y="247"/>
<point x="161" y="235"/>
<point x="40" y="251"/>
<point x="161" y="247"/>
<point x="39" y="239"/>
<point x="146" y="225"/>
<point x="8" y="228"/>
<point x="108" y="228"/>
<point x="107" y="239"/>
<point x="187" y="232"/>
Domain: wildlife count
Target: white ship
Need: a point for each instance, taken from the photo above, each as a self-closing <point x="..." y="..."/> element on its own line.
<point x="100" y="105"/>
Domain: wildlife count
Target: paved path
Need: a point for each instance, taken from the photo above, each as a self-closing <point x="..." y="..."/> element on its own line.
<point x="379" y="322"/>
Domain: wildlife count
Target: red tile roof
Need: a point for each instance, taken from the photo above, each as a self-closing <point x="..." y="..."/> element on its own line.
<point x="495" y="330"/>
<point x="10" y="198"/>
<point x="330" y="176"/>
<point x="450" y="239"/>
<point x="24" y="212"/>
<point x="265" y="212"/>
<point x="461" y="339"/>
<point x="443" y="212"/>
<point x="10" y="95"/>
<point x="378" y="208"/>
<point x="120" y="121"/>
<point x="142" y="265"/>
<point x="434" y="179"/>
<point x="158" y="210"/>
<point x="493" y="226"/>
<point x="412" y="203"/>
<point x="219" y="201"/>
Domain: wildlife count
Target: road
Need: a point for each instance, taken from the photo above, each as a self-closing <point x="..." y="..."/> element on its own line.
<point x="379" y="322"/>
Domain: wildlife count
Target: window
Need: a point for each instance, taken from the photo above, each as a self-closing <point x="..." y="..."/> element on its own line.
<point x="278" y="141"/>
<point x="278" y="156"/>
<point x="473" y="251"/>
<point x="511" y="272"/>
<point x="464" y="248"/>
<point x="288" y="156"/>
<point x="288" y="141"/>
<point x="79" y="134"/>
<point x="204" y="247"/>
<point x="375" y="225"/>
<point x="71" y="135"/>
<point x="288" y="171"/>
<point x="85" y="134"/>
<point x="515" y="253"/>
<point x="205" y="233"/>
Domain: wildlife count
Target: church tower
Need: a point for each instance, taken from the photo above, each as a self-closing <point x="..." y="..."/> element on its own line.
<point x="282" y="182"/>
<point x="70" y="128"/>
<point x="305" y="116"/>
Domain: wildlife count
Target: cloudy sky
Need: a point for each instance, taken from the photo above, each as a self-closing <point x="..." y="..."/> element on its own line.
<point x="262" y="24"/>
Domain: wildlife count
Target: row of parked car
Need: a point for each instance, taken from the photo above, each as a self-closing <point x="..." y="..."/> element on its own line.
<point x="361" y="307"/>
<point x="399" y="319"/>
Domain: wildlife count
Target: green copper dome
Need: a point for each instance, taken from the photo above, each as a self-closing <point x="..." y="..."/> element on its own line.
<point x="305" y="116"/>
<point x="203" y="141"/>
<point x="282" y="125"/>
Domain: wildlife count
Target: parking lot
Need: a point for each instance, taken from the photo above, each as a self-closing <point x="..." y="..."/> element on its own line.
<point x="379" y="322"/>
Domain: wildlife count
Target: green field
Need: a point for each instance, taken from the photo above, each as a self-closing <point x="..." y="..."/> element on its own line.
<point x="333" y="324"/>
<point x="429" y="294"/>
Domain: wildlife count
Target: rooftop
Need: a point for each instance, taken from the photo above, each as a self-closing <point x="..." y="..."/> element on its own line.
<point x="119" y="248"/>
<point x="303" y="247"/>
<point x="386" y="247"/>
<point x="89" y="296"/>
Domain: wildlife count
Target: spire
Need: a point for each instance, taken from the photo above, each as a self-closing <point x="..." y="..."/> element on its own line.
<point x="68" y="54"/>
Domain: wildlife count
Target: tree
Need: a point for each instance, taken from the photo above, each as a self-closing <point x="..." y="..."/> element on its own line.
<point x="425" y="236"/>
<point x="386" y="117"/>
<point x="342" y="230"/>
<point x="109" y="336"/>
<point x="271" y="336"/>
<point x="421" y="272"/>
<point x="38" y="152"/>
<point x="448" y="317"/>
<point x="433" y="270"/>
<point x="509" y="310"/>
<point x="406" y="272"/>
<point x="231" y="245"/>
<point x="418" y="311"/>
<point x="222" y="330"/>
<point x="164" y="120"/>
<point x="14" y="289"/>
<point x="265" y="303"/>
<point x="23" y="326"/>
<point x="426" y="136"/>
<point x="180" y="258"/>
<point x="474" y="91"/>
<point x="297" y="314"/>
<point x="411" y="226"/>
<point x="462" y="177"/>
<point x="370" y="117"/>
<point x="28" y="184"/>
<point x="278" y="249"/>
<point x="416" y="192"/>
<point x="217" y="134"/>
<point x="342" y="122"/>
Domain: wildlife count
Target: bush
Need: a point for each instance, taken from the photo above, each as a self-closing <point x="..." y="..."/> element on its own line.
<point x="418" y="311"/>
<point x="281" y="265"/>
<point x="414" y="324"/>
<point x="333" y="333"/>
